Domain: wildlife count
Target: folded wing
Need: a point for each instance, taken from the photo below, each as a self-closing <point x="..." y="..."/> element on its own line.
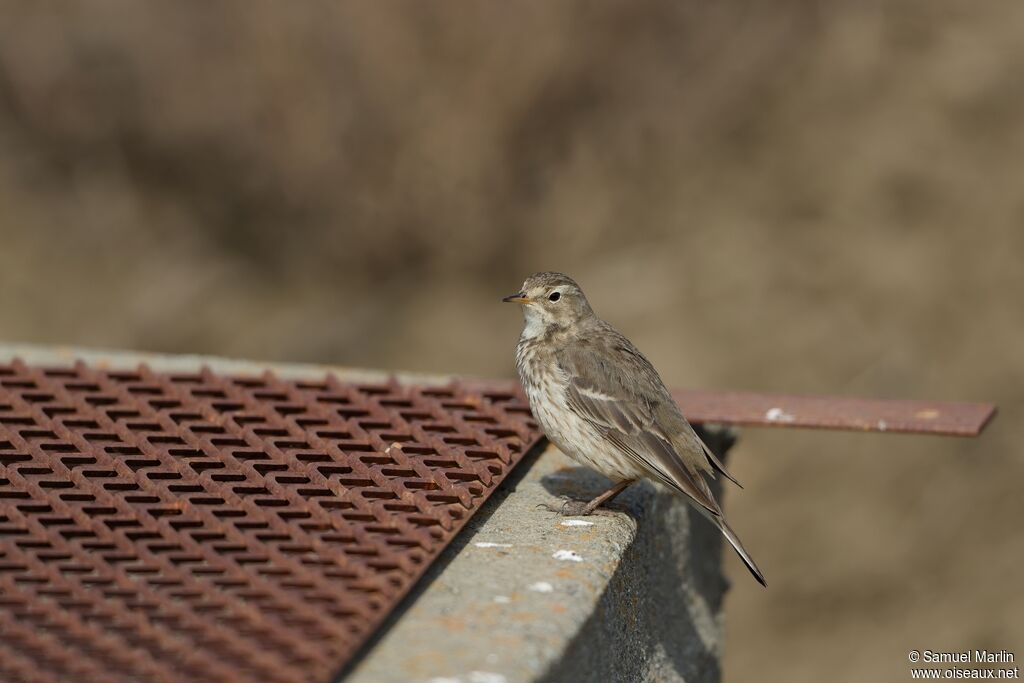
<point x="625" y="401"/>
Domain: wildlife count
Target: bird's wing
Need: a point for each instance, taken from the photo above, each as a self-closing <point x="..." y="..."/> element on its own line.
<point x="615" y="389"/>
<point x="691" y="441"/>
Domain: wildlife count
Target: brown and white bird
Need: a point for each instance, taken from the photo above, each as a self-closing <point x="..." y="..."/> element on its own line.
<point x="603" y="404"/>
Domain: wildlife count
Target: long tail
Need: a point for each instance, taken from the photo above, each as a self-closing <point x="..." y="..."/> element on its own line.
<point x="734" y="540"/>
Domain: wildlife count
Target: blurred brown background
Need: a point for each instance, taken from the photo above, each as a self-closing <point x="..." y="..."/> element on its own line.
<point x="819" y="197"/>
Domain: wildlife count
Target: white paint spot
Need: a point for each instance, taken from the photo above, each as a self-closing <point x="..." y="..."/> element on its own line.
<point x="567" y="555"/>
<point x="778" y="415"/>
<point x="542" y="587"/>
<point x="882" y="425"/>
<point x="577" y="522"/>
<point x="485" y="544"/>
<point x="486" y="677"/>
<point x="472" y="677"/>
<point x="502" y="599"/>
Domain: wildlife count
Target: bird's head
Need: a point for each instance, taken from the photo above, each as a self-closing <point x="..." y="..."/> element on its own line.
<point x="551" y="300"/>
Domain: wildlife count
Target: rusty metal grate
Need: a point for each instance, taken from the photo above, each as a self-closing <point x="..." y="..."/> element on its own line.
<point x="202" y="527"/>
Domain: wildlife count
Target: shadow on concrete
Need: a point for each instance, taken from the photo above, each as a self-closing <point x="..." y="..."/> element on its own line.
<point x="583" y="483"/>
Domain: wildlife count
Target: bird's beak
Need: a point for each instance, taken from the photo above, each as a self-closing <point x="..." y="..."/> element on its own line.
<point x="517" y="298"/>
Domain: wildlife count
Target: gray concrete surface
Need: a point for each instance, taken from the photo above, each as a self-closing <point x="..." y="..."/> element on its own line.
<point x="632" y="593"/>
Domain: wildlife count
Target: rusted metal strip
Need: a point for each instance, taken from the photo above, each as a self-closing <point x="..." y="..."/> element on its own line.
<point x="183" y="527"/>
<point x="946" y="418"/>
<point x="836" y="412"/>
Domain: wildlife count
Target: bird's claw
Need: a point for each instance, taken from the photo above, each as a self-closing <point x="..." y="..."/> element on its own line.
<point x="568" y="508"/>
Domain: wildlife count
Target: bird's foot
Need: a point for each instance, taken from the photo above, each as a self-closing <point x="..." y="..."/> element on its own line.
<point x="569" y="508"/>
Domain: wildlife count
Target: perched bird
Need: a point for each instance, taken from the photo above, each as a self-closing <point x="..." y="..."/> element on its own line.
<point x="603" y="404"/>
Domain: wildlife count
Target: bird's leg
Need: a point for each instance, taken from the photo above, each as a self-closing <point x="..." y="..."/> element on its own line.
<point x="574" y="508"/>
<point x="606" y="496"/>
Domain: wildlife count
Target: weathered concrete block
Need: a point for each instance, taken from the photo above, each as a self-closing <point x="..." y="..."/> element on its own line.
<point x="632" y="593"/>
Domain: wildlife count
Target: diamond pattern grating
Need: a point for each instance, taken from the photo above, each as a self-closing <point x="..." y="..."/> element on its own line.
<point x="186" y="527"/>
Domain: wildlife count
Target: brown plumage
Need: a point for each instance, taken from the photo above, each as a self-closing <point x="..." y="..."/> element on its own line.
<point x="602" y="403"/>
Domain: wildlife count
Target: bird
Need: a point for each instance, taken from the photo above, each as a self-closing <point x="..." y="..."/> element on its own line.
<point x="602" y="403"/>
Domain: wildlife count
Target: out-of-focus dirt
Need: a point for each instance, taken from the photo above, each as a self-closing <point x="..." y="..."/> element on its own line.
<point x="802" y="197"/>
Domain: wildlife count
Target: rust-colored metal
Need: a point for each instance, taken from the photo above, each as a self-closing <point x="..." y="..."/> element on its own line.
<point x="944" y="418"/>
<point x="191" y="527"/>
<point x="836" y="412"/>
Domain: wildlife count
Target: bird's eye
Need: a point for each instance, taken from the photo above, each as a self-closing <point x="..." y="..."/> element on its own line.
<point x="554" y="296"/>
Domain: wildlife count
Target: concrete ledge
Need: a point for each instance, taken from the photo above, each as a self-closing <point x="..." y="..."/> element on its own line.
<point x="629" y="594"/>
<point x="632" y="593"/>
